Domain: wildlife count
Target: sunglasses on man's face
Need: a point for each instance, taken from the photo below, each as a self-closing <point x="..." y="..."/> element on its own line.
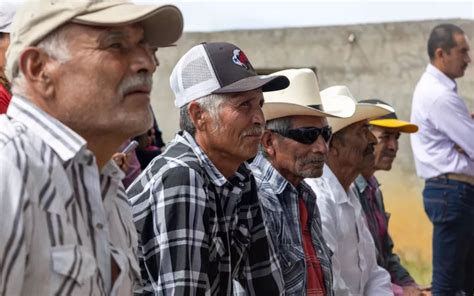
<point x="307" y="135"/>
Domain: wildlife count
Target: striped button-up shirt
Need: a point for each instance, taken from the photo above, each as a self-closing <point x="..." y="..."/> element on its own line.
<point x="62" y="220"/>
<point x="198" y="230"/>
<point x="279" y="200"/>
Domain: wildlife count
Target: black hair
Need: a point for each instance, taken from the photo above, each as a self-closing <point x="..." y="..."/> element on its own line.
<point x="442" y="36"/>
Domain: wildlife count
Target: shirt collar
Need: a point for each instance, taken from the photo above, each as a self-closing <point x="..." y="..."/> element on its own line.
<point x="215" y="175"/>
<point x="340" y="195"/>
<point x="63" y="140"/>
<point x="448" y="82"/>
<point x="361" y="183"/>
<point x="268" y="174"/>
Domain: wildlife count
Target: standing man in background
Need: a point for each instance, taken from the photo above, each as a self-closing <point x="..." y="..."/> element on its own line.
<point x="444" y="157"/>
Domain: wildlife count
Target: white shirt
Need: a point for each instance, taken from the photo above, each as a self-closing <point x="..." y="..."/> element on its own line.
<point x="62" y="220"/>
<point x="444" y="121"/>
<point x="346" y="232"/>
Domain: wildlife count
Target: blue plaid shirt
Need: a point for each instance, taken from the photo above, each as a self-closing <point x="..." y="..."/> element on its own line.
<point x="279" y="200"/>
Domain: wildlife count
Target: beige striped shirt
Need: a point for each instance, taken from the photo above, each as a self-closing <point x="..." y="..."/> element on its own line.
<point x="62" y="220"/>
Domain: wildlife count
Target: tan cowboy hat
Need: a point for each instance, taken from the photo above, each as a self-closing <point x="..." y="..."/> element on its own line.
<point x="302" y="98"/>
<point x="363" y="111"/>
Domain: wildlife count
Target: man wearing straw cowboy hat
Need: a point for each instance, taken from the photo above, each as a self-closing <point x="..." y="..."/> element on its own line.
<point x="81" y="74"/>
<point x="294" y="147"/>
<point x="387" y="130"/>
<point x="351" y="149"/>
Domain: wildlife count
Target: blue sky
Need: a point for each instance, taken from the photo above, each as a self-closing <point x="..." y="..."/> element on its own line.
<point x="213" y="15"/>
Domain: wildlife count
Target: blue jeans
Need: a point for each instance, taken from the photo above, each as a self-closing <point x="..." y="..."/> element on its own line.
<point x="450" y="206"/>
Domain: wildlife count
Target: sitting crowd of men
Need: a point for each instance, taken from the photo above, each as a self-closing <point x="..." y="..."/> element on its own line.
<point x="268" y="188"/>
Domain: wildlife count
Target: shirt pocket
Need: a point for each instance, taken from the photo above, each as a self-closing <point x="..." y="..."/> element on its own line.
<point x="293" y="268"/>
<point x="73" y="263"/>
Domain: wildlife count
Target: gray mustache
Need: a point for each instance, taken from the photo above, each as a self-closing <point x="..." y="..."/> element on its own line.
<point x="254" y="131"/>
<point x="131" y="83"/>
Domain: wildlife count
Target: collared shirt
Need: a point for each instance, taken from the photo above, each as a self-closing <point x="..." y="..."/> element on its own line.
<point x="62" y="220"/>
<point x="444" y="122"/>
<point x="279" y="201"/>
<point x="345" y="230"/>
<point x="371" y="199"/>
<point x="199" y="230"/>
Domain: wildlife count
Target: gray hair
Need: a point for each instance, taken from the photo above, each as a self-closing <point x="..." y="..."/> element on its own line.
<point x="210" y="103"/>
<point x="55" y="44"/>
<point x="279" y="125"/>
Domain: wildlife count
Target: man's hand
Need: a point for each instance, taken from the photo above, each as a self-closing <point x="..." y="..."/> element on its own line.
<point x="121" y="159"/>
<point x="412" y="291"/>
<point x="459" y="149"/>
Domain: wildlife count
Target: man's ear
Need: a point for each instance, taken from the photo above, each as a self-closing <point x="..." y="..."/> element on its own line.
<point x="268" y="142"/>
<point x="198" y="115"/>
<point x="36" y="66"/>
<point x="440" y="53"/>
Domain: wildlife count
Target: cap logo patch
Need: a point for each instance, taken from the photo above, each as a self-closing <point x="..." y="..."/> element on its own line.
<point x="240" y="59"/>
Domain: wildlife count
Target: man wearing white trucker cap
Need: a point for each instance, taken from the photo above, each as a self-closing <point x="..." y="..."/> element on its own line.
<point x="81" y="74"/>
<point x="351" y="149"/>
<point x="196" y="206"/>
<point x="294" y="147"/>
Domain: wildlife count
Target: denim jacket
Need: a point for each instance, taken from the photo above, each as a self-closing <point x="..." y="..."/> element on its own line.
<point x="279" y="201"/>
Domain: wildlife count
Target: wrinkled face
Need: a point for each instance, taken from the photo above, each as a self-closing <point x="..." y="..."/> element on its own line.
<point x="104" y="88"/>
<point x="294" y="160"/>
<point x="237" y="131"/>
<point x="386" y="148"/>
<point x="4" y="42"/>
<point x="357" y="147"/>
<point x="457" y="59"/>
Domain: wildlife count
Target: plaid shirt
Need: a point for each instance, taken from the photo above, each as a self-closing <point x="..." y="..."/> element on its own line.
<point x="384" y="244"/>
<point x="198" y="230"/>
<point x="279" y="201"/>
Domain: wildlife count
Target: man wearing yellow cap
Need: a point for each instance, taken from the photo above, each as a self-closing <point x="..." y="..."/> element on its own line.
<point x="387" y="130"/>
<point x="82" y="74"/>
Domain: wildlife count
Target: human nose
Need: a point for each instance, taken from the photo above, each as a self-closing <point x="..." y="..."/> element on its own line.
<point x="144" y="60"/>
<point x="371" y="138"/>
<point x="393" y="144"/>
<point x="320" y="145"/>
<point x="258" y="117"/>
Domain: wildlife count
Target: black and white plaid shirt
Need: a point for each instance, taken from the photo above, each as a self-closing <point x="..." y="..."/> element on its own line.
<point x="198" y="230"/>
<point x="62" y="219"/>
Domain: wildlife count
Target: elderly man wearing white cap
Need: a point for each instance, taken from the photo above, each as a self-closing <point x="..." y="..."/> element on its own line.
<point x="294" y="147"/>
<point x="196" y="206"/>
<point x="81" y="74"/>
<point x="7" y="12"/>
<point x="351" y="150"/>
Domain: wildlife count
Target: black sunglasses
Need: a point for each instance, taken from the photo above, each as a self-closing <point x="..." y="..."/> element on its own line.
<point x="307" y="135"/>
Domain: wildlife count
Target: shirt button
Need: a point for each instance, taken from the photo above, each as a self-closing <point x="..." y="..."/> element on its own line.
<point x="99" y="226"/>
